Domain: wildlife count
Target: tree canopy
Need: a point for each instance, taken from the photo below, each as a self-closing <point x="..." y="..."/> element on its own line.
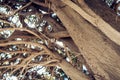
<point x="59" y="40"/>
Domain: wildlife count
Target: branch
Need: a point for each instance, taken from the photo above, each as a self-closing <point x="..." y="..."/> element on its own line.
<point x="15" y="11"/>
<point x="21" y="34"/>
<point x="11" y="59"/>
<point x="19" y="51"/>
<point x="58" y="35"/>
<point x="28" y="4"/>
<point x="22" y="29"/>
<point x="3" y="21"/>
<point x="45" y="63"/>
<point x="31" y="43"/>
<point x="97" y="22"/>
<point x="21" y="42"/>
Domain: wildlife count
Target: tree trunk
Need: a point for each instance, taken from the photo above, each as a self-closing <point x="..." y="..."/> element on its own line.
<point x="97" y="50"/>
<point x="96" y="21"/>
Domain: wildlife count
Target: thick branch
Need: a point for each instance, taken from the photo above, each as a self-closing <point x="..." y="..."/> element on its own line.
<point x="97" y="22"/>
<point x="58" y="35"/>
<point x="98" y="53"/>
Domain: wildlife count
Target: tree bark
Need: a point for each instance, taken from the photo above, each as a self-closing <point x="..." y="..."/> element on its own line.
<point x="97" y="50"/>
<point x="101" y="9"/>
<point x="96" y="21"/>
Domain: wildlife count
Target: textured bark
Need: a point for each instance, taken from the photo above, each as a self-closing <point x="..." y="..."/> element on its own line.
<point x="58" y="35"/>
<point x="95" y="47"/>
<point x="101" y="9"/>
<point x="96" y="21"/>
<point x="86" y="29"/>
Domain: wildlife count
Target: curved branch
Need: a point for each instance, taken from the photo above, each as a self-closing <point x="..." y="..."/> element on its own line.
<point x="3" y="21"/>
<point x="22" y="29"/>
<point x="18" y="51"/>
<point x="45" y="63"/>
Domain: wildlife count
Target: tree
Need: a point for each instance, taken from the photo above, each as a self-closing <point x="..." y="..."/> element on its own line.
<point x="71" y="34"/>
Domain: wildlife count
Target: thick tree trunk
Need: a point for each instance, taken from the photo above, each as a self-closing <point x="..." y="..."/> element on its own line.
<point x="96" y="21"/>
<point x="98" y="51"/>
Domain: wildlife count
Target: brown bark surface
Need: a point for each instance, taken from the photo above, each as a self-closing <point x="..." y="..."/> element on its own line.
<point x="93" y="39"/>
<point x="101" y="9"/>
<point x="95" y="47"/>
